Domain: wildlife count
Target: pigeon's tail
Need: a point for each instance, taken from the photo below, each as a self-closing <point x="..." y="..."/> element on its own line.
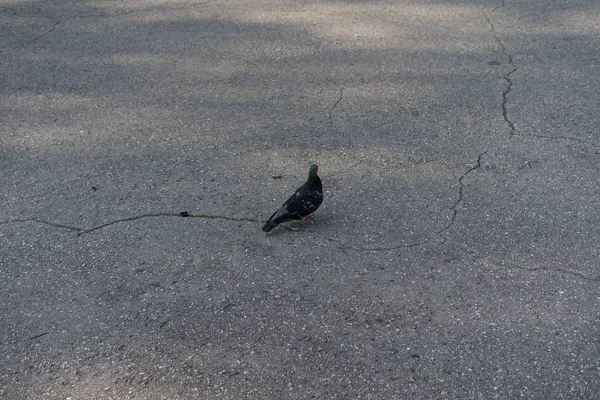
<point x="269" y="225"/>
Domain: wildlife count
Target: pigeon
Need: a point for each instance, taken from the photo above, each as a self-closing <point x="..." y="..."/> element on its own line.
<point x="305" y="201"/>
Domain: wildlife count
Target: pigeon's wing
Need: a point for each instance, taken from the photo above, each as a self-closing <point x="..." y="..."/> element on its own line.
<point x="285" y="213"/>
<point x="306" y="203"/>
<point x="305" y="200"/>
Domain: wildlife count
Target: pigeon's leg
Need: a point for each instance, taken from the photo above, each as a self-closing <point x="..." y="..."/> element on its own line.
<point x="303" y="220"/>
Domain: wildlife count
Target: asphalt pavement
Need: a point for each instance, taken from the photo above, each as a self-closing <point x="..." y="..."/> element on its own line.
<point x="456" y="254"/>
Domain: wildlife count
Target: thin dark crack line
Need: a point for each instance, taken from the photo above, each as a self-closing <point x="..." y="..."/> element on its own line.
<point x="334" y="106"/>
<point x="164" y="323"/>
<point x="559" y="270"/>
<point x="509" y="83"/>
<point x="43" y="222"/>
<point x="500" y="6"/>
<point x="507" y="76"/>
<point x="38" y="336"/>
<point x="496" y="37"/>
<point x="204" y="216"/>
<point x="461" y="189"/>
<point x="82" y="231"/>
<point x="563" y="138"/>
<point x="38" y="37"/>
<point x="116" y="14"/>
<point x="11" y="9"/>
<point x="141" y="10"/>
<point x="497" y="264"/>
<point x="344" y="246"/>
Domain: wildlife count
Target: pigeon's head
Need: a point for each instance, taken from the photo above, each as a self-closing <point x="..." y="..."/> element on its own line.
<point x="312" y="171"/>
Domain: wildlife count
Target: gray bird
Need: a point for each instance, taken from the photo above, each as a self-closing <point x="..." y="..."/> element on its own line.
<point x="305" y="201"/>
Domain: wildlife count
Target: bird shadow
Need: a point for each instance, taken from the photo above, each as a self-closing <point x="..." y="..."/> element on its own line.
<point x="296" y="226"/>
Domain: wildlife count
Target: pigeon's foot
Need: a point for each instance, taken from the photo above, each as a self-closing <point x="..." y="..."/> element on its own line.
<point x="303" y="221"/>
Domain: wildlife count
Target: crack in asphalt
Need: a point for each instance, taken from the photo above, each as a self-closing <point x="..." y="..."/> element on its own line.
<point x="117" y="14"/>
<point x="43" y="222"/>
<point x="509" y="83"/>
<point x="502" y="5"/>
<point x="507" y="76"/>
<point x="82" y="231"/>
<point x="341" y="245"/>
<point x="571" y="272"/>
<point x="344" y="246"/>
<point x="154" y="215"/>
<point x="334" y="106"/>
<point x="104" y="15"/>
<point x="11" y="9"/>
<point x="38" y="37"/>
<point x="38" y="335"/>
<point x="563" y="138"/>
<point x="498" y="264"/>
<point x="13" y="12"/>
<point x="460" y="193"/>
<point x="141" y="10"/>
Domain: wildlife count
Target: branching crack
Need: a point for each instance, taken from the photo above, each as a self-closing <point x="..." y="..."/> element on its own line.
<point x="507" y="76"/>
<point x="461" y="188"/>
<point x="39" y="335"/>
<point x="82" y="231"/>
<point x="509" y="84"/>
